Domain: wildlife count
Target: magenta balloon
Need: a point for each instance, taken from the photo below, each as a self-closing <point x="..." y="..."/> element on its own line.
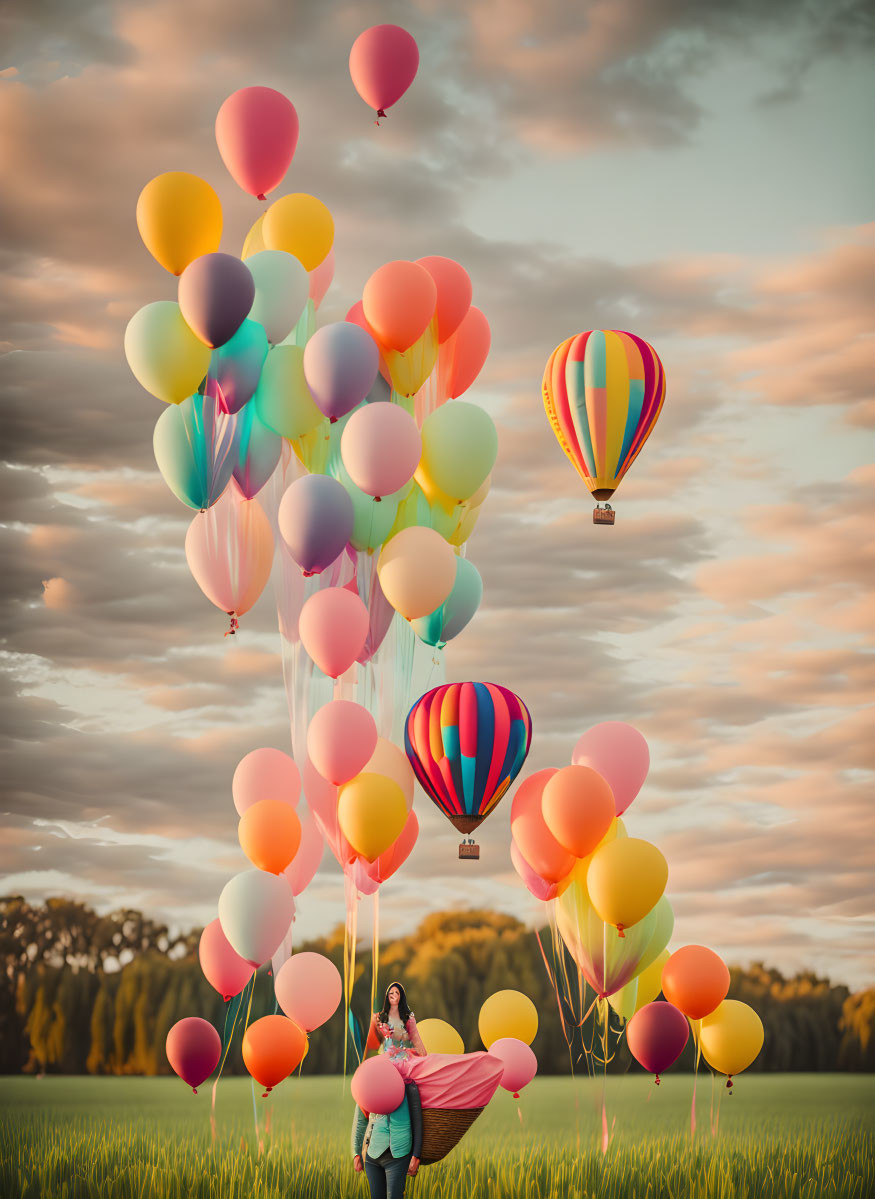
<point x="193" y="1049"/>
<point x="538" y="887"/>
<point x="308" y="989"/>
<point x="519" y="1061"/>
<point x="300" y="871"/>
<point x="619" y="754"/>
<point x="381" y="447"/>
<point x="656" y="1036"/>
<point x="383" y="64"/>
<point x="257" y="133"/>
<point x="340" y="740"/>
<point x="223" y="967"/>
<point x="265" y="774"/>
<point x="377" y="1086"/>
<point x="333" y="627"/>
<point x="340" y="365"/>
<point x="215" y="295"/>
<point x="315" y="520"/>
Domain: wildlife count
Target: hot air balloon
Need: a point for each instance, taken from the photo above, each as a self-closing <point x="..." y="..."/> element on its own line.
<point x="467" y="743"/>
<point x="603" y="392"/>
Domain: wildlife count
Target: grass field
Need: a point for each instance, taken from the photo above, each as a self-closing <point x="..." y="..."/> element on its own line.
<point x="787" y="1135"/>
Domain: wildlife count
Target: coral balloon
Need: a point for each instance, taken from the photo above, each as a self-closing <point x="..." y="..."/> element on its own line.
<point x="301" y="225"/>
<point x="398" y="302"/>
<point x="272" y="1048"/>
<point x="625" y="880"/>
<point x="340" y="365"/>
<point x="299" y="873"/>
<point x="731" y="1037"/>
<point x="193" y="1049"/>
<point x="257" y="133"/>
<point x="417" y="570"/>
<point x="340" y="740"/>
<point x="382" y="65"/>
<point x="519" y="1061"/>
<point x="215" y="295"/>
<point x="372" y="813"/>
<point x="282" y="288"/>
<point x="179" y="217"/>
<point x="381" y="447"/>
<point x="377" y="1086"/>
<point x="507" y="1014"/>
<point x="256" y="910"/>
<point x="657" y="1036"/>
<point x="223" y="967"/>
<point x="534" y="883"/>
<point x="578" y="807"/>
<point x="164" y="355"/>
<point x="270" y="833"/>
<point x="454" y="292"/>
<point x="459" y="448"/>
<point x="265" y="774"/>
<point x="315" y="521"/>
<point x="333" y="627"/>
<point x="619" y="753"/>
<point x="551" y="861"/>
<point x="229" y="550"/>
<point x="440" y="1037"/>
<point x="468" y="352"/>
<point x="695" y="980"/>
<point x="282" y="398"/>
<point x="308" y="989"/>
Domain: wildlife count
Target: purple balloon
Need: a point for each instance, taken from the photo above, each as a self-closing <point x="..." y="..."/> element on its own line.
<point x="216" y="292"/>
<point x="236" y="366"/>
<point x="315" y="521"/>
<point x="656" y="1036"/>
<point x="340" y="365"/>
<point x="193" y="1049"/>
<point x="259" y="450"/>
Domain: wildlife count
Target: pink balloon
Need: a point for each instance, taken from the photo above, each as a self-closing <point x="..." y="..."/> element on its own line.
<point x="534" y="882"/>
<point x="193" y="1049"/>
<point x="381" y="447"/>
<point x="383" y="64"/>
<point x="340" y="740"/>
<point x="305" y="863"/>
<point x="322" y="798"/>
<point x="223" y="967"/>
<point x="333" y="627"/>
<point x="229" y="549"/>
<point x="321" y="278"/>
<point x="308" y="989"/>
<point x="657" y="1035"/>
<point x="620" y="755"/>
<point x="519" y="1061"/>
<point x="377" y="1086"/>
<point x="265" y="774"/>
<point x="257" y="132"/>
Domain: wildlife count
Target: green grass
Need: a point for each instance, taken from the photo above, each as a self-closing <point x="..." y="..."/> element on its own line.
<point x="785" y="1136"/>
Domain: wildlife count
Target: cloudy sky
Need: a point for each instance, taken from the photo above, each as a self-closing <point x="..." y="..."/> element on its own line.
<point x="697" y="172"/>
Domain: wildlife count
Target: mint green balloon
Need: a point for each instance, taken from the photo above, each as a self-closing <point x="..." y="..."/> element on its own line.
<point x="662" y="931"/>
<point x="456" y="611"/>
<point x="373" y="520"/>
<point x="459" y="448"/>
<point x="282" y="399"/>
<point x="416" y="510"/>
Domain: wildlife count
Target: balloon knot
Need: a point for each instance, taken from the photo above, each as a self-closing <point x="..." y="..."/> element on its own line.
<point x="266" y="1093"/>
<point x="516" y="1094"/>
<point x="332" y="420"/>
<point x="729" y="1082"/>
<point x="261" y="197"/>
<point x="620" y="931"/>
<point x="194" y="1090"/>
<point x="378" y="499"/>
<point x="235" y="624"/>
<point x="308" y="574"/>
<point x="227" y="998"/>
<point x="380" y="113"/>
<point x="657" y="1080"/>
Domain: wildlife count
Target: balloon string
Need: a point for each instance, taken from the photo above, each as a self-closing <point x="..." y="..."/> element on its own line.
<point x="375" y="950"/>
<point x="695" y="1080"/>
<point x="227" y="1038"/>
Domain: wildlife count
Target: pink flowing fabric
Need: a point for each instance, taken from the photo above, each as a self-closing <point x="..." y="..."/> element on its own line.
<point x="455" y="1081"/>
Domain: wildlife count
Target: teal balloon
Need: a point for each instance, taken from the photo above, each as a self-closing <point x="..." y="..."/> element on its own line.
<point x="256" y="910"/>
<point x="195" y="447"/>
<point x="236" y="366"/>
<point x="258" y="452"/>
<point x="447" y="621"/>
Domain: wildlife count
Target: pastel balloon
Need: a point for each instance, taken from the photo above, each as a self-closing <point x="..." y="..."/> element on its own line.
<point x="308" y="989"/>
<point x="282" y="398"/>
<point x="731" y="1037"/>
<point x="195" y="448"/>
<point x="164" y="354"/>
<point x="383" y="63"/>
<point x="377" y="1086"/>
<point x="340" y="740"/>
<point x="236" y="366"/>
<point x="255" y="911"/>
<point x="534" y="883"/>
<point x="507" y="1014"/>
<point x="695" y="980"/>
<point x="454" y="292"/>
<point x="625" y="880"/>
<point x="578" y="807"/>
<point x="273" y="1047"/>
<point x="215" y="295"/>
<point x="543" y="853"/>
<point x="372" y="813"/>
<point x="387" y="759"/>
<point x="258" y="451"/>
<point x="223" y="967"/>
<point x="393" y="858"/>
<point x="470" y="349"/>
<point x="302" y="869"/>
<point x="519" y="1061"/>
<point x="315" y="521"/>
<point x="380" y="447"/>
<point x="417" y="570"/>
<point x="457" y="610"/>
<point x="606" y="961"/>
<point x="320" y="278"/>
<point x="254" y="241"/>
<point x="179" y="217"/>
<point x="619" y="753"/>
<point x="642" y="989"/>
<point x="459" y="448"/>
<point x="440" y="1037"/>
<point x="662" y="931"/>
<point x="270" y="833"/>
<point x="282" y="288"/>
<point x="333" y="627"/>
<point x="340" y="365"/>
<point x="257" y="133"/>
<point x="657" y="1036"/>
<point x="322" y="799"/>
<point x="398" y="303"/>
<point x="193" y="1049"/>
<point x="301" y="225"/>
<point x="373" y="523"/>
<point x="265" y="774"/>
<point x="229" y="550"/>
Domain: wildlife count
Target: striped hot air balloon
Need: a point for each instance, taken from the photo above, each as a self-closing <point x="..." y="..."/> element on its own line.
<point x="467" y="743"/>
<point x="603" y="392"/>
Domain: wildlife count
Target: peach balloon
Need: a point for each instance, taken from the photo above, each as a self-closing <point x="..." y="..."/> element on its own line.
<point x="308" y="989"/>
<point x="387" y="759"/>
<point x="470" y="349"/>
<point x="398" y="303"/>
<point x="229" y="549"/>
<point x="454" y="292"/>
<point x="540" y="849"/>
<point x="300" y="871"/>
<point x="270" y="833"/>
<point x="333" y="627"/>
<point x="340" y="740"/>
<point x="265" y="774"/>
<point x="578" y="807"/>
<point x="272" y="1047"/>
<point x="696" y="980"/>
<point x="417" y="570"/>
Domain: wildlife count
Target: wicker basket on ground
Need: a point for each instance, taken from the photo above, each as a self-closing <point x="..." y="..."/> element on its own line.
<point x="442" y="1129"/>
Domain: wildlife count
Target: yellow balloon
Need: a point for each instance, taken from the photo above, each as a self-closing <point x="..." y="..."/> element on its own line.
<point x="417" y="570"/>
<point x="440" y="1037"/>
<point x="625" y="879"/>
<point x="408" y="369"/>
<point x="508" y="1014"/>
<point x="371" y="813"/>
<point x="164" y="355"/>
<point x="254" y="242"/>
<point x="300" y="225"/>
<point x="731" y="1037"/>
<point x="617" y="829"/>
<point x="390" y="761"/>
<point x="641" y="990"/>
<point x="179" y="217"/>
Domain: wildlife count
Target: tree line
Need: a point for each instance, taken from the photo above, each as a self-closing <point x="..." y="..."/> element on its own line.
<point x="82" y="993"/>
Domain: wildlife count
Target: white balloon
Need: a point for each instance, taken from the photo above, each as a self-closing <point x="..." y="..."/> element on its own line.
<point x="282" y="288"/>
<point x="255" y="912"/>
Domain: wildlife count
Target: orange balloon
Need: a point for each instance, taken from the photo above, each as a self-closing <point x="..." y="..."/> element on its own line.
<point x="695" y="979"/>
<point x="578" y="807"/>
<point x="470" y="350"/>
<point x="534" y="840"/>
<point x="398" y="303"/>
<point x="453" y="285"/>
<point x="272" y="1047"/>
<point x="270" y="833"/>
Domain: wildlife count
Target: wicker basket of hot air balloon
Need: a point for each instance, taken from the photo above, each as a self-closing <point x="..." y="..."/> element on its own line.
<point x="442" y="1129"/>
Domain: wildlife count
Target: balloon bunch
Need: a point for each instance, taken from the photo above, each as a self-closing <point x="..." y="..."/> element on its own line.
<point x="508" y="1023"/>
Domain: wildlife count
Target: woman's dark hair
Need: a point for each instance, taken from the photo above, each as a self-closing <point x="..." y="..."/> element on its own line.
<point x="403" y="1005"/>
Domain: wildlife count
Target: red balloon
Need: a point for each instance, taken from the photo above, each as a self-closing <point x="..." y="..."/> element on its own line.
<point x="193" y="1049"/>
<point x="656" y="1036"/>
<point x="383" y="64"/>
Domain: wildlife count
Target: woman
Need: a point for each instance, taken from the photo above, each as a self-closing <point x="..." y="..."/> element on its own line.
<point x="387" y="1148"/>
<point x="394" y="1028"/>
